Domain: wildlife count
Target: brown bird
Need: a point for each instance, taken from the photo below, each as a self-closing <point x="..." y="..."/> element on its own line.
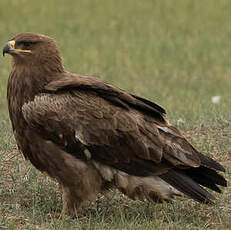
<point x="89" y="135"/>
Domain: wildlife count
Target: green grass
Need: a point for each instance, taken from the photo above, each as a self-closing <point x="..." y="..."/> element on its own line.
<point x="176" y="53"/>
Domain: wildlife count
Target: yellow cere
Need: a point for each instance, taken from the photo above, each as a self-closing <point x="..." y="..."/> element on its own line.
<point x="12" y="43"/>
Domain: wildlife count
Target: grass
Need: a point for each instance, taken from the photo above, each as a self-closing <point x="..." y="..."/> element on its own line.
<point x="176" y="53"/>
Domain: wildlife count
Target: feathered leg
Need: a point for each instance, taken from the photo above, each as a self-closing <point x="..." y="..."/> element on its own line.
<point x="72" y="204"/>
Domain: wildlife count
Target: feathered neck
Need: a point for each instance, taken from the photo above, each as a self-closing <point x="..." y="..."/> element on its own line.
<point x="26" y="81"/>
<point x="47" y="65"/>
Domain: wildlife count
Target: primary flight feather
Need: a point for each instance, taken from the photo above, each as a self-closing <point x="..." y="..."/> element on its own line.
<point x="88" y="134"/>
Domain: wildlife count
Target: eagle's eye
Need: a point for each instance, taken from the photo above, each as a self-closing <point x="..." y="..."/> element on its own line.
<point x="25" y="44"/>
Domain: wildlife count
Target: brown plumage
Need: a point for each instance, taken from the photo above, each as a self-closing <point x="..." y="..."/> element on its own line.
<point x="88" y="134"/>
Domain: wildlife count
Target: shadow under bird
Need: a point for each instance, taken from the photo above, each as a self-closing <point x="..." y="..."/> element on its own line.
<point x="89" y="135"/>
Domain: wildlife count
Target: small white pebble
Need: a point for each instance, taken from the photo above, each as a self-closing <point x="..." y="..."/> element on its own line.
<point x="180" y="121"/>
<point x="215" y="99"/>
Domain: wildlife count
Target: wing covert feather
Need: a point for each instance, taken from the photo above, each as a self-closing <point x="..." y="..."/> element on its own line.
<point x="69" y="81"/>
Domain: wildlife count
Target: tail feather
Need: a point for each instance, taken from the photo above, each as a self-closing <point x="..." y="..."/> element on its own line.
<point x="187" y="185"/>
<point x="206" y="176"/>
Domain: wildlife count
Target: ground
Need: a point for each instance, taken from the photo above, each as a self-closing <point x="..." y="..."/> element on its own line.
<point x="176" y="53"/>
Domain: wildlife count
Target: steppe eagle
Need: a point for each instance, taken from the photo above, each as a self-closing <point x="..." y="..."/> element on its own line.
<point x="88" y="134"/>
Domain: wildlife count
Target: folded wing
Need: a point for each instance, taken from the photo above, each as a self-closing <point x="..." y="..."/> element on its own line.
<point x="94" y="120"/>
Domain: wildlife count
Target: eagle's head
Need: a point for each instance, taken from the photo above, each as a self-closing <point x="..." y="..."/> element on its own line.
<point x="34" y="50"/>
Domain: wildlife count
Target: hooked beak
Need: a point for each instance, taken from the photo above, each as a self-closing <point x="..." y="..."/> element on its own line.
<point x="9" y="48"/>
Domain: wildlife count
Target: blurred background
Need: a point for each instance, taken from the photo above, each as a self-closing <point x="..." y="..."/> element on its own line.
<point x="176" y="53"/>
